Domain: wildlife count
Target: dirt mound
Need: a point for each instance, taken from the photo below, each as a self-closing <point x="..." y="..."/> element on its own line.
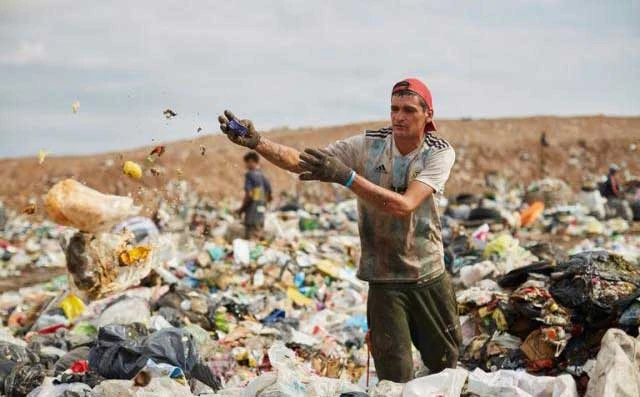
<point x="578" y="145"/>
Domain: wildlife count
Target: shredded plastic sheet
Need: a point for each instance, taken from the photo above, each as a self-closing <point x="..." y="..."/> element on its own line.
<point x="617" y="371"/>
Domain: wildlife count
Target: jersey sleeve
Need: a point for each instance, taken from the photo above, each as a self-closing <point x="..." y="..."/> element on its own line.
<point x="349" y="151"/>
<point x="437" y="169"/>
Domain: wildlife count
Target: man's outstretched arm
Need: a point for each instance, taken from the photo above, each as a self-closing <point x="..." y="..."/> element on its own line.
<point x="321" y="165"/>
<point x="282" y="156"/>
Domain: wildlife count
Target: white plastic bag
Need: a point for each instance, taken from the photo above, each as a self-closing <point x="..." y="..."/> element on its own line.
<point x="126" y="311"/>
<point x="157" y="387"/>
<point x="448" y="383"/>
<point x="386" y="388"/>
<point x="617" y="370"/>
<point x="71" y="203"/>
<point x="94" y="263"/>
<point x="471" y="274"/>
<point x="51" y="390"/>
<point x="241" y="252"/>
<point x="509" y="383"/>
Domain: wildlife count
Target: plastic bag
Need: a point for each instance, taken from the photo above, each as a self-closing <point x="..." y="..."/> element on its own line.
<point x="386" y="388"/>
<point x="120" y="355"/>
<point x="631" y="316"/>
<point x="71" y="203"/>
<point x="617" y="371"/>
<point x="157" y="387"/>
<point x="95" y="265"/>
<point x="126" y="311"/>
<point x="597" y="285"/>
<point x="76" y="389"/>
<point x="241" y="252"/>
<point x="446" y="383"/>
<point x="520" y="384"/>
<point x="469" y="275"/>
<point x="72" y="306"/>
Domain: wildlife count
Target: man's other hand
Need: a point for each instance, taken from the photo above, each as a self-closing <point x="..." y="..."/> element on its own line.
<point x="320" y="165"/>
<point x="250" y="139"/>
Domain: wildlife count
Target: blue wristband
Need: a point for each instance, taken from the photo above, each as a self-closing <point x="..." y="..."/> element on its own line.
<point x="351" y="179"/>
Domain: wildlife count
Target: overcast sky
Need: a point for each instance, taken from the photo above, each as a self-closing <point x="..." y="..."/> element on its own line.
<point x="298" y="63"/>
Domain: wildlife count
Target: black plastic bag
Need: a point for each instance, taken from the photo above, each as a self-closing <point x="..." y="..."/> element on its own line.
<point x="597" y="285"/>
<point x="123" y="350"/>
<point x="630" y="318"/>
<point x="121" y="354"/>
<point x="518" y="276"/>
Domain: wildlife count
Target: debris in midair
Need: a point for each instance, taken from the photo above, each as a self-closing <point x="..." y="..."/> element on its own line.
<point x="75" y="106"/>
<point x="30" y="209"/>
<point x="155" y="172"/>
<point x="41" y="155"/>
<point x="202" y="150"/>
<point x="157" y="151"/>
<point x="132" y="169"/>
<point x="199" y="129"/>
<point x="168" y="113"/>
<point x="179" y="172"/>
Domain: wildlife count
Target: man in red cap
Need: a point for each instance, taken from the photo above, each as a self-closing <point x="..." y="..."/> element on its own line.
<point x="397" y="173"/>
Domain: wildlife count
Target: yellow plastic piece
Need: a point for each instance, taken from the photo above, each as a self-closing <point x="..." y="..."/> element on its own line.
<point x="298" y="298"/>
<point x="72" y="306"/>
<point x="132" y="169"/>
<point x="136" y="254"/>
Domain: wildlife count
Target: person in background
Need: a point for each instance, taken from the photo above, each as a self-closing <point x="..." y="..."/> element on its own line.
<point x="257" y="193"/>
<point x="617" y="205"/>
<point x="612" y="185"/>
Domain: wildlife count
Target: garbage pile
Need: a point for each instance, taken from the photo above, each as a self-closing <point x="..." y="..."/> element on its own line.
<point x="181" y="306"/>
<point x="24" y="247"/>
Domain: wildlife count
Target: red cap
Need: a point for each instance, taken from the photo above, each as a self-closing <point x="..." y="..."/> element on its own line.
<point x="419" y="88"/>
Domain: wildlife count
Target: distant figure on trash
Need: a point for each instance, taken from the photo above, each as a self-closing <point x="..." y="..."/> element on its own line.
<point x="397" y="173"/>
<point x="611" y="188"/>
<point x="617" y="205"/>
<point x="257" y="193"/>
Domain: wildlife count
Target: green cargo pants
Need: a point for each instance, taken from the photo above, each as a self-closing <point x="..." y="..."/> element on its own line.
<point x="423" y="313"/>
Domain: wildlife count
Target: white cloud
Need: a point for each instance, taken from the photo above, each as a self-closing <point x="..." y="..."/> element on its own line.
<point x="303" y="63"/>
<point x="26" y="53"/>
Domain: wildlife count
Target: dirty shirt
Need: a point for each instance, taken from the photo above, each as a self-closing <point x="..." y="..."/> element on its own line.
<point x="257" y="186"/>
<point x="398" y="250"/>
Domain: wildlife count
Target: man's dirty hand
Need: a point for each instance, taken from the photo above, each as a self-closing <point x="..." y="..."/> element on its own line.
<point x="320" y="165"/>
<point x="240" y="132"/>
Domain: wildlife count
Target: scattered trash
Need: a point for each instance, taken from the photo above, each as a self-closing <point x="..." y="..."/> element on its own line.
<point x="132" y="169"/>
<point x="42" y="154"/>
<point x="71" y="203"/>
<point x="30" y="209"/>
<point x="75" y="106"/>
<point x="175" y="304"/>
<point x="157" y="151"/>
<point x="168" y="114"/>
